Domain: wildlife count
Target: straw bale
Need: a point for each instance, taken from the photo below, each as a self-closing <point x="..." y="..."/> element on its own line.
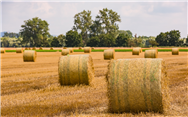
<point x="87" y="49"/>
<point x="34" y="48"/>
<point x="80" y="48"/>
<point x="65" y="52"/>
<point x="151" y="54"/>
<point x="75" y="69"/>
<point x="26" y="48"/>
<point x="2" y="50"/>
<point x="135" y="51"/>
<point x="64" y="47"/>
<point x="40" y="48"/>
<point x="51" y="48"/>
<point x="109" y="54"/>
<point x="140" y="49"/>
<point x="29" y="56"/>
<point x="138" y="85"/>
<point x="19" y="50"/>
<point x="92" y="48"/>
<point x="71" y="50"/>
<point x="175" y="51"/>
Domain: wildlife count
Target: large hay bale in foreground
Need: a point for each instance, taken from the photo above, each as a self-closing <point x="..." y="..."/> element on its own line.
<point x="65" y="52"/>
<point x="29" y="56"/>
<point x="135" y="51"/>
<point x="175" y="51"/>
<point x="138" y="85"/>
<point x="151" y="54"/>
<point x="87" y="49"/>
<point x="75" y="69"/>
<point x="109" y="54"/>
<point x="19" y="50"/>
<point x="2" y="50"/>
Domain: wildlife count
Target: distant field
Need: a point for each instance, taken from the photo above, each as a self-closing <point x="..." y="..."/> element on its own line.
<point x="102" y="50"/>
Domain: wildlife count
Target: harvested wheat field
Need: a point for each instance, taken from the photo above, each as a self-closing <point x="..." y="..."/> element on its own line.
<point x="33" y="89"/>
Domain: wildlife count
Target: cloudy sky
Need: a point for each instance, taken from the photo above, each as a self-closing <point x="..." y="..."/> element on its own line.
<point x="146" y="17"/>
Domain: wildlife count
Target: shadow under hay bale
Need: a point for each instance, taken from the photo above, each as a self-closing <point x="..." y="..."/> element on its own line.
<point x="29" y="56"/>
<point x="151" y="54"/>
<point x="135" y="51"/>
<point x="109" y="54"/>
<point x="175" y="51"/>
<point x="87" y="49"/>
<point x="2" y="50"/>
<point x="65" y="52"/>
<point x="138" y="85"/>
<point x="75" y="69"/>
<point x="19" y="50"/>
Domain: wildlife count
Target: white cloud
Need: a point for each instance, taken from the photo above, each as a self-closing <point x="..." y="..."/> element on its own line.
<point x="69" y="10"/>
<point x="150" y="8"/>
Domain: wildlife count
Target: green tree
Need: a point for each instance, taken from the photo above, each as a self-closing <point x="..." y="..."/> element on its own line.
<point x="107" y="40"/>
<point x="82" y="23"/>
<point x="174" y="36"/>
<point x="35" y="32"/>
<point x="55" y="42"/>
<point x="122" y="40"/>
<point x="108" y="19"/>
<point x="73" y="39"/>
<point x="96" y="28"/>
<point x="153" y="43"/>
<point x="5" y="42"/>
<point x="94" y="41"/>
<point x="62" y="40"/>
<point x="128" y="32"/>
<point x="161" y="39"/>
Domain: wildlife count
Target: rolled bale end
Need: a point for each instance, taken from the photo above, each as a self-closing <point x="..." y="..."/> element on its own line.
<point x="135" y="51"/>
<point x="19" y="50"/>
<point x="75" y="69"/>
<point x="29" y="56"/>
<point x="64" y="47"/>
<point x="34" y="48"/>
<point x="109" y="54"/>
<point x="51" y="48"/>
<point x="151" y="54"/>
<point x="2" y="50"/>
<point x="175" y="51"/>
<point x="65" y="52"/>
<point x="138" y="85"/>
<point x="87" y="50"/>
<point x="40" y="48"/>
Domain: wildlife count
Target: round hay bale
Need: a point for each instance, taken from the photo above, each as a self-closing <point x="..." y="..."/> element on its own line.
<point x="75" y="69"/>
<point x="135" y="51"/>
<point x="51" y="48"/>
<point x="87" y="50"/>
<point x="29" y="48"/>
<point x="92" y="48"/>
<point x="34" y="48"/>
<point x="175" y="51"/>
<point x="40" y="48"/>
<point x="71" y="50"/>
<point x="65" y="52"/>
<point x="151" y="54"/>
<point x="2" y="50"/>
<point x="26" y="48"/>
<point x="80" y="48"/>
<point x="140" y="49"/>
<point x="64" y="47"/>
<point x="29" y="56"/>
<point x="19" y="50"/>
<point x="109" y="54"/>
<point x="138" y="85"/>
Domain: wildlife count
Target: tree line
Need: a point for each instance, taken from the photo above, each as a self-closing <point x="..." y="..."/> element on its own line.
<point x="101" y="32"/>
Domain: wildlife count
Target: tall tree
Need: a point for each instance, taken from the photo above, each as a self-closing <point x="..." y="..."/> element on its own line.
<point x="94" y="41"/>
<point x="35" y="32"/>
<point x="73" y="39"/>
<point x="108" y="19"/>
<point x="122" y="40"/>
<point x="62" y="40"/>
<point x="55" y="42"/>
<point x="82" y="23"/>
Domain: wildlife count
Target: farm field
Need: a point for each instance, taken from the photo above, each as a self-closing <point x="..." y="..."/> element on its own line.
<point x="32" y="88"/>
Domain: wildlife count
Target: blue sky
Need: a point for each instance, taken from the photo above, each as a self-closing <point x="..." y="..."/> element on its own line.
<point x="141" y="17"/>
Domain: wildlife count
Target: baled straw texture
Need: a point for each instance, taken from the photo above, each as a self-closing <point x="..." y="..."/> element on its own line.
<point x="92" y="48"/>
<point x="29" y="56"/>
<point x="64" y="47"/>
<point x="51" y="48"/>
<point x="151" y="54"/>
<point x="65" y="52"/>
<point x="19" y="50"/>
<point x="135" y="51"/>
<point x="34" y="48"/>
<point x="138" y="85"/>
<point x="80" y="48"/>
<point x="175" y="51"/>
<point x="87" y="49"/>
<point x="2" y="50"/>
<point x="40" y="48"/>
<point x="109" y="54"/>
<point x="75" y="69"/>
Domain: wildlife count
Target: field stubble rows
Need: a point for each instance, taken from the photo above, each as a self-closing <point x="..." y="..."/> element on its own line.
<point x="32" y="88"/>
